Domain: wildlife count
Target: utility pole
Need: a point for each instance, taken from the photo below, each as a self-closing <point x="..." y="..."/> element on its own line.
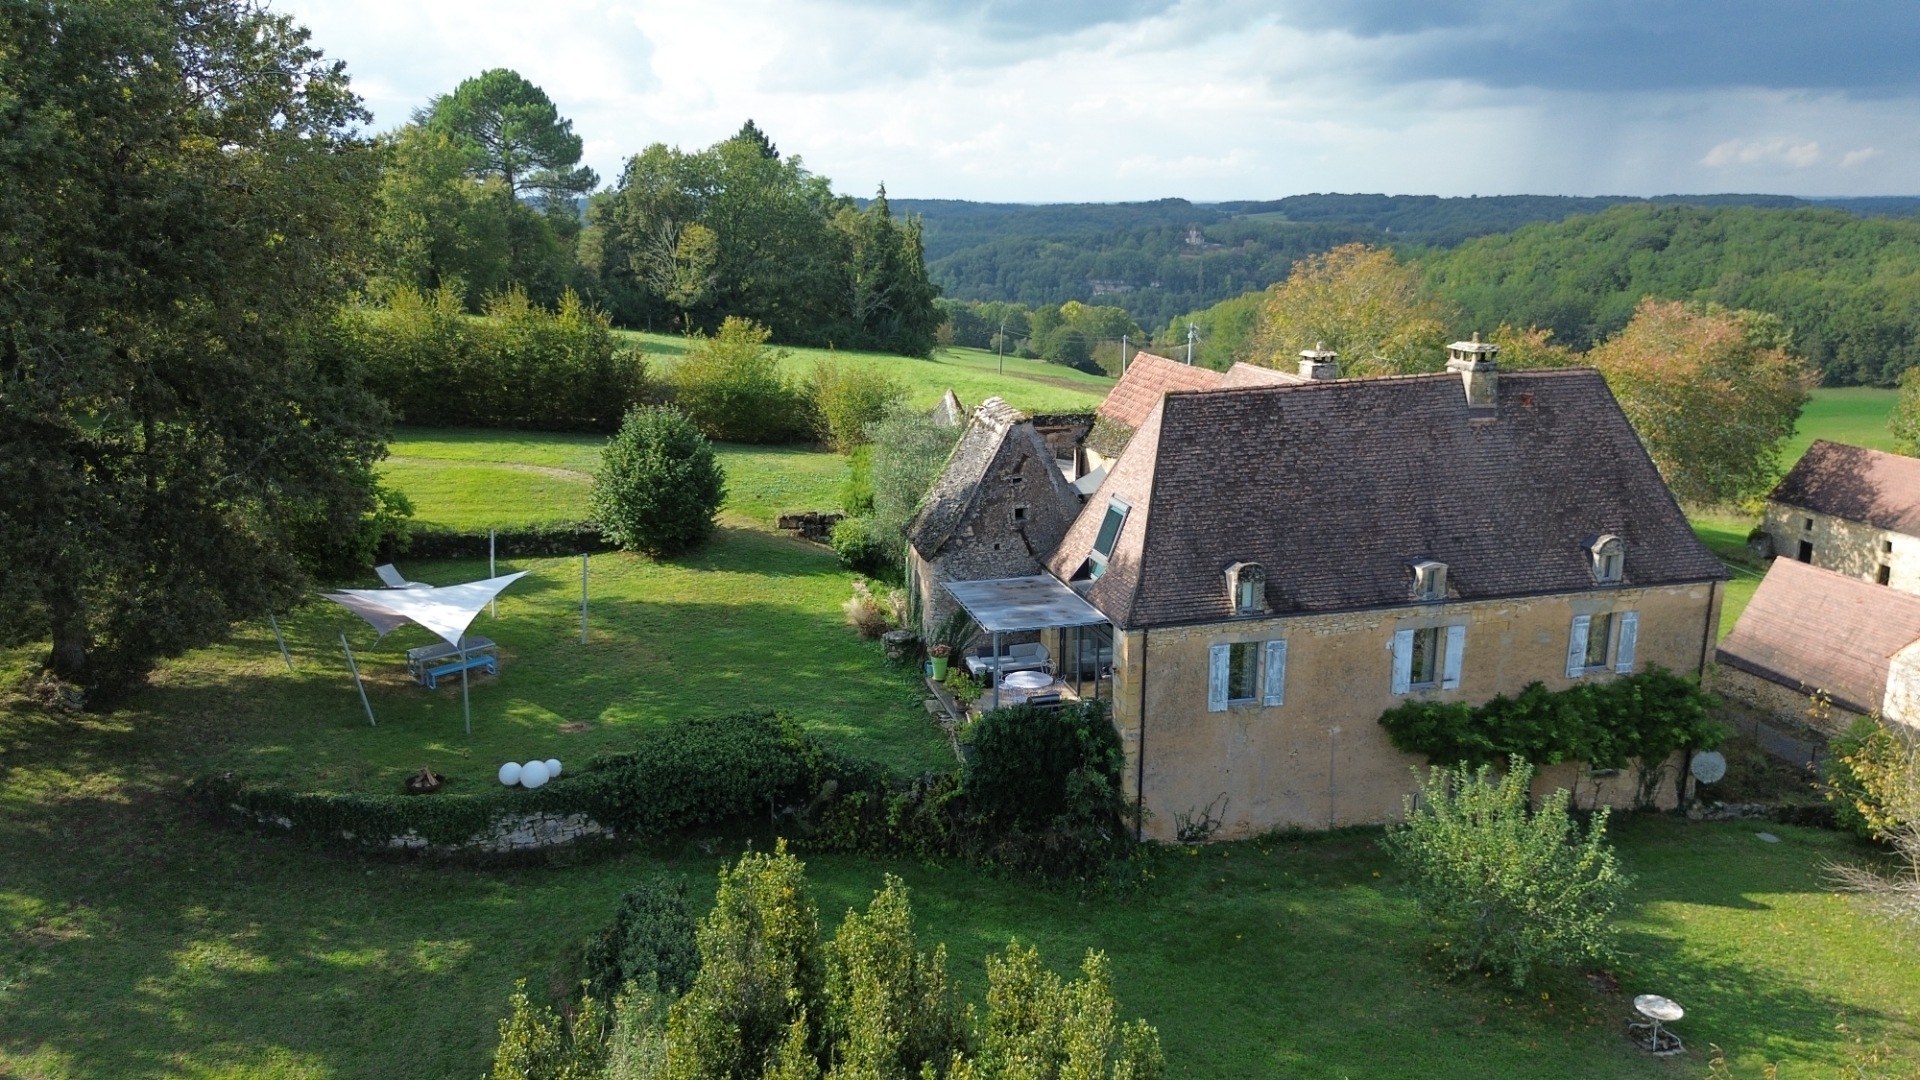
<point x="1123" y="354"/>
<point x="1192" y="333"/>
<point x="1002" y="339"/>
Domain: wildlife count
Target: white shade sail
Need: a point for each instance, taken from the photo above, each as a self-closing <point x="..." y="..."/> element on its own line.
<point x="447" y="611"/>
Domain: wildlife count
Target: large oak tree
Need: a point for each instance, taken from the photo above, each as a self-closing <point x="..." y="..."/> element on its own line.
<point x="185" y="194"/>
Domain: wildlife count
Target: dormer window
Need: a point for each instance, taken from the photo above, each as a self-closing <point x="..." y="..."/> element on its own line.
<point x="1429" y="581"/>
<point x="1609" y="557"/>
<point x="1109" y="535"/>
<point x="1247" y="583"/>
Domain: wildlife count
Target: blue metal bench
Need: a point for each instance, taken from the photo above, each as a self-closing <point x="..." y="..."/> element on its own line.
<point x="434" y="674"/>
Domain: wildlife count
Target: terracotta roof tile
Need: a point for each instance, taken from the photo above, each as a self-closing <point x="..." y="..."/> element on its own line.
<point x="1813" y="628"/>
<point x="1149" y="377"/>
<point x="1853" y="482"/>
<point x="1336" y="486"/>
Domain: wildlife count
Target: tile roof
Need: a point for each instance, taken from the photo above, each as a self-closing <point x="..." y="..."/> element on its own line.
<point x="1147" y="378"/>
<point x="1855" y="483"/>
<point x="1248" y="375"/>
<point x="1336" y="486"/>
<point x="1813" y="628"/>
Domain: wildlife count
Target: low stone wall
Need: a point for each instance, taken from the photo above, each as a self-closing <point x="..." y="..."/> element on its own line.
<point x="514" y="834"/>
<point x="1792" y="706"/>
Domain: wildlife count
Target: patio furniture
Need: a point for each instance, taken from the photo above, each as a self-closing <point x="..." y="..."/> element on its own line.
<point x="1018" y="606"/>
<point x="1026" y="656"/>
<point x="391" y="577"/>
<point x="1648" y="1033"/>
<point x="431" y="663"/>
<point x="1026" y="680"/>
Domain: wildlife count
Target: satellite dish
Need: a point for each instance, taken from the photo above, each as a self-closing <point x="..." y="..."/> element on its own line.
<point x="1709" y="766"/>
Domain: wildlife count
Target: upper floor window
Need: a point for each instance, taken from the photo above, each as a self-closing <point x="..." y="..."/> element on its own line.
<point x="1609" y="557"/>
<point x="1109" y="535"/>
<point x="1429" y="580"/>
<point x="1247" y="582"/>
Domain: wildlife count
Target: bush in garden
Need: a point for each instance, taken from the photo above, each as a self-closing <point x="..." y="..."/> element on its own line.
<point x="659" y="485"/>
<point x="1883" y="775"/>
<point x="1866" y="749"/>
<point x="909" y="450"/>
<point x="847" y="398"/>
<point x="536" y="1044"/>
<point x="1507" y="890"/>
<point x="857" y="547"/>
<point x="873" y="614"/>
<point x="856" y="492"/>
<point x="731" y="386"/>
<point x="649" y="942"/>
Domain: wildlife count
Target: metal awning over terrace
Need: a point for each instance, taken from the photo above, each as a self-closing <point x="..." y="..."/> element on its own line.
<point x="1017" y="605"/>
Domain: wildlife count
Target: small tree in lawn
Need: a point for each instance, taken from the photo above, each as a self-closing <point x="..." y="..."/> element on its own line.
<point x="1885" y="771"/>
<point x="659" y="485"/>
<point x="1508" y="890"/>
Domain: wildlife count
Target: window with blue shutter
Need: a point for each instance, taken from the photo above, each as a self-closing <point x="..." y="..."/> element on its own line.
<point x="1456" y="652"/>
<point x="1629" y="641"/>
<point x="1402" y="661"/>
<point x="1218" y="662"/>
<point x="1577" y="646"/>
<point x="1276" y="674"/>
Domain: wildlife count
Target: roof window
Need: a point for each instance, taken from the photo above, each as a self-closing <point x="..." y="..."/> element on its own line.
<point x="1247" y="586"/>
<point x="1429" y="580"/>
<point x="1109" y="535"/>
<point x="1609" y="559"/>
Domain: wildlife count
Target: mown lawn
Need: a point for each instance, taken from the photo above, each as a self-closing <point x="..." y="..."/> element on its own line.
<point x="973" y="374"/>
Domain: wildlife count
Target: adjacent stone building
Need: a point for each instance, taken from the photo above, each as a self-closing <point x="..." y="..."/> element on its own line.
<point x="998" y="508"/>
<point x="1811" y="631"/>
<point x="1280" y="564"/>
<point x="1850" y="510"/>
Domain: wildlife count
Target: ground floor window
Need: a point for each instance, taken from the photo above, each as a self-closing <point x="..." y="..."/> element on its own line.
<point x="1243" y="671"/>
<point x="1425" y="669"/>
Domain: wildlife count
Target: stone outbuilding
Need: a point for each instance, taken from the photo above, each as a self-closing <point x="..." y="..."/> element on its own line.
<point x="1850" y="510"/>
<point x="996" y="510"/>
<point x="1809" y="630"/>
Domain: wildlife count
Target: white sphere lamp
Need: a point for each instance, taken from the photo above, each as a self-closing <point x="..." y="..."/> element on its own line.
<point x="510" y="773"/>
<point x="553" y="768"/>
<point x="533" y="774"/>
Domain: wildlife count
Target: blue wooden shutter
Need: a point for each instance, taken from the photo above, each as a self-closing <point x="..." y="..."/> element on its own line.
<point x="1276" y="673"/>
<point x="1456" y="650"/>
<point x="1217" y="661"/>
<point x="1629" y="638"/>
<point x="1577" y="646"/>
<point x="1402" y="661"/>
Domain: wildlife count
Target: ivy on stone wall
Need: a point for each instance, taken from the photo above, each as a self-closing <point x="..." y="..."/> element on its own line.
<point x="1608" y="725"/>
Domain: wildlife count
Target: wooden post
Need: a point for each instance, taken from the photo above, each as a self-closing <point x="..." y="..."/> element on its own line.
<point x="583" y="598"/>
<point x="357" y="685"/>
<point x="284" y="654"/>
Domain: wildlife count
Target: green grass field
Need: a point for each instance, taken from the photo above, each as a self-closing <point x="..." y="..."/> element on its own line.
<point x="138" y="941"/>
<point x="973" y="374"/>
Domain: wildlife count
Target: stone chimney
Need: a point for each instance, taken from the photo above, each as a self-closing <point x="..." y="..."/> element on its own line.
<point x="1478" y="364"/>
<point x="1318" y="364"/>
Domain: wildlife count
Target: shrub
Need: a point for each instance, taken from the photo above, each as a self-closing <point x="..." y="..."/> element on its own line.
<point x="520" y="366"/>
<point x="536" y="1044"/>
<point x="1507" y="890"/>
<point x="731" y="387"/>
<point x="659" y="485"/>
<point x="856" y="492"/>
<point x="858" y="548"/>
<point x="1864" y="750"/>
<point x="909" y="450"/>
<point x="848" y="398"/>
<point x="1883" y="773"/>
<point x="649" y="942"/>
<point x="873" y="615"/>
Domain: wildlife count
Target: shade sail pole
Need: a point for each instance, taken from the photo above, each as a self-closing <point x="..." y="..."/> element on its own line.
<point x="583" y="598"/>
<point x="493" y="606"/>
<point x="277" y="636"/>
<point x="996" y="669"/>
<point x="466" y="706"/>
<point x="357" y="685"/>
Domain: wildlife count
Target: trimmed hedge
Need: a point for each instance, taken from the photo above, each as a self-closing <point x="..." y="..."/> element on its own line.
<point x="698" y="772"/>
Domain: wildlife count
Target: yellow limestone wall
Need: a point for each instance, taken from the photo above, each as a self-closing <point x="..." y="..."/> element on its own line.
<point x="1846" y="547"/>
<point x="1322" y="759"/>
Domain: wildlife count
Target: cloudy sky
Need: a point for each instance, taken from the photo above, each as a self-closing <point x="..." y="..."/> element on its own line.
<point x="1103" y="100"/>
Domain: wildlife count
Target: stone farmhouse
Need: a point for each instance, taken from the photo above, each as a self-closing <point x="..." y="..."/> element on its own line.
<point x="1850" y="510"/>
<point x="1265" y="568"/>
<point x="1809" y="630"/>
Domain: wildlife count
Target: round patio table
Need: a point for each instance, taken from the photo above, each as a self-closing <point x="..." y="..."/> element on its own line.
<point x="1651" y="1036"/>
<point x="1026" y="680"/>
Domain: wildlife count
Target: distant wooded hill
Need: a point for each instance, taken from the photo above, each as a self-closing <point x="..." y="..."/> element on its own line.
<point x="1161" y="259"/>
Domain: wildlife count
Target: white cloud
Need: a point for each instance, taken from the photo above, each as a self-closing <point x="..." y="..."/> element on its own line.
<point x="1207" y="99"/>
<point x="1755" y="151"/>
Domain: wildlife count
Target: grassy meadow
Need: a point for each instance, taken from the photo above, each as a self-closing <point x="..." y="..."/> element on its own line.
<point x="137" y="941"/>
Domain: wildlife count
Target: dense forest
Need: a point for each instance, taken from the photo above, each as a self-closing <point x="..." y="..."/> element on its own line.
<point x="1161" y="259"/>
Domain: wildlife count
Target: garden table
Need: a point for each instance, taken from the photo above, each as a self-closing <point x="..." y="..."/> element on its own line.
<point x="1648" y="1032"/>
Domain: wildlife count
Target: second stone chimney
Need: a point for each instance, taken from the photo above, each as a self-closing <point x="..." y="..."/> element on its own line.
<point x="1318" y="364"/>
<point x="1478" y="364"/>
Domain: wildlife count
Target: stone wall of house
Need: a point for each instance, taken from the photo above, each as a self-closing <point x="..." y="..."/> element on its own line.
<point x="1019" y="515"/>
<point x="1845" y="547"/>
<point x="1902" y="704"/>
<point x="1792" y="705"/>
<point x="1322" y="759"/>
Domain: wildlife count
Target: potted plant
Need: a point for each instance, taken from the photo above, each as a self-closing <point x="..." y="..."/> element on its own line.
<point x="940" y="653"/>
